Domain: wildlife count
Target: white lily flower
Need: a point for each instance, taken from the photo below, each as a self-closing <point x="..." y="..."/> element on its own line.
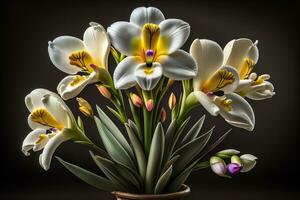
<point x="72" y="55"/>
<point x="243" y="54"/>
<point x="48" y="119"/>
<point x="151" y="45"/>
<point x="215" y="83"/>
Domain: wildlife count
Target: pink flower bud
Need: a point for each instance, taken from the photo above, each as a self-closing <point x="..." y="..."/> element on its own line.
<point x="136" y="100"/>
<point x="149" y="105"/>
<point x="104" y="91"/>
<point x="163" y="115"/>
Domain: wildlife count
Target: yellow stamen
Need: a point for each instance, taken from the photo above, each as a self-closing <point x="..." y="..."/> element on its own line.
<point x="258" y="81"/>
<point x="218" y="80"/>
<point x="77" y="79"/>
<point x="41" y="138"/>
<point x="43" y="117"/>
<point x="150" y="36"/>
<point x="246" y="68"/>
<point x="225" y="103"/>
<point x="148" y="70"/>
<point x="81" y="59"/>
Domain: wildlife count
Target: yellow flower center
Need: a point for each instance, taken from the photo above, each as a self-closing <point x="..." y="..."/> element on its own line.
<point x="218" y="80"/>
<point x="148" y="70"/>
<point x="82" y="59"/>
<point x="246" y="68"/>
<point x="41" y="138"/>
<point x="150" y="36"/>
<point x="43" y="117"/>
<point x="77" y="79"/>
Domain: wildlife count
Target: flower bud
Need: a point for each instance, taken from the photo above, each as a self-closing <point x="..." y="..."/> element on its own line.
<point x="149" y="105"/>
<point x="248" y="162"/>
<point x="227" y="153"/>
<point x="172" y="101"/>
<point x="234" y="168"/>
<point x="218" y="166"/>
<point x="163" y="115"/>
<point x="104" y="91"/>
<point x="236" y="159"/>
<point x="84" y="107"/>
<point x="136" y="100"/>
<point x="170" y="82"/>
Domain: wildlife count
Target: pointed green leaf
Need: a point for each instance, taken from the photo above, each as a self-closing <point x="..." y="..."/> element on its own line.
<point x="137" y="132"/>
<point x="114" y="112"/>
<point x="110" y="125"/>
<point x="155" y="158"/>
<point x="89" y="177"/>
<point x="201" y="165"/>
<point x="170" y="162"/>
<point x="163" y="180"/>
<point x="190" y="151"/>
<point x="107" y="167"/>
<point x="130" y="175"/>
<point x="138" y="151"/>
<point x="194" y="131"/>
<point x="112" y="146"/>
<point x="214" y="145"/>
<point x="80" y="123"/>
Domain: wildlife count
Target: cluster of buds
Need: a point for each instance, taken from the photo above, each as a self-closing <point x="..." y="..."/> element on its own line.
<point x="243" y="163"/>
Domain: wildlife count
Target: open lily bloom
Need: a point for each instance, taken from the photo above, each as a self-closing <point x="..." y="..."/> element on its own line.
<point x="214" y="85"/>
<point x="151" y="45"/>
<point x="48" y="118"/>
<point x="83" y="60"/>
<point x="243" y="54"/>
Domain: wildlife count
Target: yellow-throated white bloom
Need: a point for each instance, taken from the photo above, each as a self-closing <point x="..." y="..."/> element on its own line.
<point x="215" y="83"/>
<point x="82" y="59"/>
<point x="49" y="116"/>
<point x="243" y="54"/>
<point x="151" y="45"/>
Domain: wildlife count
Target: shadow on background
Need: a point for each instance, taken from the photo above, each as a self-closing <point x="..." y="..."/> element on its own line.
<point x="27" y="28"/>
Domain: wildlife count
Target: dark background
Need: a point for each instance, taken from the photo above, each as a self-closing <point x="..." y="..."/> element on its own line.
<point x="28" y="26"/>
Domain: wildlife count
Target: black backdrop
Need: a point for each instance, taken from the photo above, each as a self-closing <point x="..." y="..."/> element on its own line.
<point x="28" y="26"/>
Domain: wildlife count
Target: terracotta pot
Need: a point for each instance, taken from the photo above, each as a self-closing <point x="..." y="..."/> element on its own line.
<point x="185" y="190"/>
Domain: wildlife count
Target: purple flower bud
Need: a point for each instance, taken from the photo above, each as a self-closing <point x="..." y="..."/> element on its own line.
<point x="234" y="168"/>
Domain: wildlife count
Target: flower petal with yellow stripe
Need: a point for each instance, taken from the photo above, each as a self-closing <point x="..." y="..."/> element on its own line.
<point x="83" y="59"/>
<point x="152" y="45"/>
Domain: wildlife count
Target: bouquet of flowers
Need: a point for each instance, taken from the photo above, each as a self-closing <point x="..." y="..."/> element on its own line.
<point x="146" y="159"/>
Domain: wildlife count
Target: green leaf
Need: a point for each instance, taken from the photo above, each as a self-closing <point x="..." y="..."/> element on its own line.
<point x="190" y="151"/>
<point x="109" y="124"/>
<point x="138" y="151"/>
<point x="201" y="165"/>
<point x="175" y="185"/>
<point x="114" y="112"/>
<point x="89" y="177"/>
<point x="163" y="180"/>
<point x="112" y="145"/>
<point x="214" y="145"/>
<point x="170" y="162"/>
<point x="137" y="132"/>
<point x="194" y="131"/>
<point x="155" y="158"/>
<point x="80" y="123"/>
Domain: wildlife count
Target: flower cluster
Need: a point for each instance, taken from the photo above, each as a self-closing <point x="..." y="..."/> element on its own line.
<point x="149" y="59"/>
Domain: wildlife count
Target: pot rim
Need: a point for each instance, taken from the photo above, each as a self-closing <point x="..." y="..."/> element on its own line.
<point x="185" y="190"/>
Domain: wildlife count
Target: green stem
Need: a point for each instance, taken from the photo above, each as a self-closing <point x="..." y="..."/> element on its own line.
<point x="148" y="121"/>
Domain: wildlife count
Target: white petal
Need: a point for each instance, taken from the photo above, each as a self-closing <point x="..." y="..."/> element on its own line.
<point x="148" y="81"/>
<point x="58" y="109"/>
<point x="31" y="138"/>
<point x="208" y="56"/>
<point x="178" y="65"/>
<point x="124" y="77"/>
<point x="173" y="34"/>
<point x="244" y="85"/>
<point x="51" y="146"/>
<point x="34" y="125"/>
<point x="262" y="91"/>
<point x="248" y="161"/>
<point x="125" y="37"/>
<point x="143" y="15"/>
<point x="34" y="99"/>
<point x="231" y="87"/>
<point x="207" y="103"/>
<point x="67" y="91"/>
<point x="237" y="50"/>
<point x="241" y="115"/>
<point x="60" y="49"/>
<point x="97" y="43"/>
